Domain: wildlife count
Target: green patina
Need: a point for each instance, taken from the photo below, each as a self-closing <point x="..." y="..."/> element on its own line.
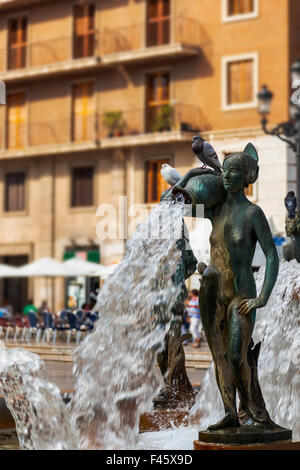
<point x="228" y="298"/>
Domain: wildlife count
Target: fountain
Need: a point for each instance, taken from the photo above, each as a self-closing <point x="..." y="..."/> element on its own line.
<point x="114" y="367"/>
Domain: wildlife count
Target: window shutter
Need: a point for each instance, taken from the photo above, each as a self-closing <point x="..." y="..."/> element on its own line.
<point x="155" y="183"/>
<point x="84" y="30"/>
<point x="17" y="43"/>
<point x="157" y="95"/>
<point x="240" y="81"/>
<point x="82" y="186"/>
<point x="82" y="111"/>
<point x="15" y="120"/>
<point x="158" y="24"/>
<point x="240" y="7"/>
<point x="15" y="192"/>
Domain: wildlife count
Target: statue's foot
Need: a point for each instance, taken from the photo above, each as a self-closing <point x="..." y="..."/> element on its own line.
<point x="260" y="416"/>
<point x="229" y="421"/>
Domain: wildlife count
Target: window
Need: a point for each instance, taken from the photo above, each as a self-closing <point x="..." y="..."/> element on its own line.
<point x="158" y="111"/>
<point x="240" y="7"/>
<point x="155" y="183"/>
<point x="158" y="22"/>
<point x="15" y="120"/>
<point x="84" y="30"/>
<point x="82" y="187"/>
<point x="17" y="43"/>
<point x="239" y="81"/>
<point x="82" y="111"/>
<point x="14" y="192"/>
<point x="235" y="10"/>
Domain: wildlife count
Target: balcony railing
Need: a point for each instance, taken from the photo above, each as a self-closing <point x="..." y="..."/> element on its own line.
<point x="81" y="131"/>
<point x="133" y="122"/>
<point x="181" y="30"/>
<point x="184" y="31"/>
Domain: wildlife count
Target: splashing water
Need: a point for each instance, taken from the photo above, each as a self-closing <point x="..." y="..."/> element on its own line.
<point x="42" y="420"/>
<point x="114" y="367"/>
<point x="277" y="327"/>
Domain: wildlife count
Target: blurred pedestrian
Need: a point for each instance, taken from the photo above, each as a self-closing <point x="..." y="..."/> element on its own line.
<point x="30" y="308"/>
<point x="43" y="308"/>
<point x="6" y="310"/>
<point x="195" y="318"/>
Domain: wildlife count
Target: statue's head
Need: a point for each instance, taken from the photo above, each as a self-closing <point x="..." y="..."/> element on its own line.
<point x="240" y="169"/>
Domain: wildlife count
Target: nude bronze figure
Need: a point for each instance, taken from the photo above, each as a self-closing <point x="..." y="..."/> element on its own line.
<point x="228" y="299"/>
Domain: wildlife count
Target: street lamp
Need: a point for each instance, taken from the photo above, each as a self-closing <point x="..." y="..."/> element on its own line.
<point x="288" y="131"/>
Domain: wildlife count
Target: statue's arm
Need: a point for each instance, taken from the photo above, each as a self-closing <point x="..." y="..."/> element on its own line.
<point x="265" y="239"/>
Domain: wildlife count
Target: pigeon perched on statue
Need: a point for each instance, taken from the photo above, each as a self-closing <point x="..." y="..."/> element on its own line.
<point x="290" y="202"/>
<point x="205" y="152"/>
<point x="170" y="174"/>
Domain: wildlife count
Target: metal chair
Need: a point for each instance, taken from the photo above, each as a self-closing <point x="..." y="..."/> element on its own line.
<point x="49" y="328"/>
<point x="74" y="328"/>
<point x="90" y="319"/>
<point x="34" y="327"/>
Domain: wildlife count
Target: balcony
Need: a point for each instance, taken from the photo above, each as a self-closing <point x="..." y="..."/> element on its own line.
<point x="111" y="129"/>
<point x="51" y="57"/>
<point x="8" y="4"/>
<point x="49" y="137"/>
<point x="130" y="44"/>
<point x="136" y="127"/>
<point x="137" y="43"/>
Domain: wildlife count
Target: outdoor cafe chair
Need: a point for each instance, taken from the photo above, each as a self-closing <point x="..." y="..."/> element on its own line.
<point x="49" y="327"/>
<point x="74" y="328"/>
<point x="80" y="317"/>
<point x="34" y="327"/>
<point x="90" y="319"/>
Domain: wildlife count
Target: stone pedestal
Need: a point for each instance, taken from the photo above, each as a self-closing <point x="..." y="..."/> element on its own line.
<point x="247" y="437"/>
<point x="281" y="445"/>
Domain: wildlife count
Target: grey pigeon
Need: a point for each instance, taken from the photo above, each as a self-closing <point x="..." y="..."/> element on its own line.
<point x="290" y="202"/>
<point x="170" y="174"/>
<point x="206" y="154"/>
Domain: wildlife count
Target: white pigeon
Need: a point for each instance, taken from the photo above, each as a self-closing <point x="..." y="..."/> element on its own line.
<point x="170" y="174"/>
<point x="206" y="153"/>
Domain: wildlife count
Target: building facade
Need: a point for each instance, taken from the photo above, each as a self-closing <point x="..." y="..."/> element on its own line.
<point x="101" y="93"/>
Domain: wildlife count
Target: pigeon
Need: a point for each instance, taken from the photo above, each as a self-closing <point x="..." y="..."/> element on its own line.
<point x="290" y="202"/>
<point x="206" y="154"/>
<point x="170" y="174"/>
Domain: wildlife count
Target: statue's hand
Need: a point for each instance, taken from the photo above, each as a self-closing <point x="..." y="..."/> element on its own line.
<point x="247" y="305"/>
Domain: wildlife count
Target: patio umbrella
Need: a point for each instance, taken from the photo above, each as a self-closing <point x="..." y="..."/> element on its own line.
<point x="44" y="267"/>
<point x="80" y="267"/>
<point x="8" y="271"/>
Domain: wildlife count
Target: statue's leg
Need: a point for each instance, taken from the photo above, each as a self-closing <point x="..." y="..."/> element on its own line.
<point x="240" y="328"/>
<point x="213" y="314"/>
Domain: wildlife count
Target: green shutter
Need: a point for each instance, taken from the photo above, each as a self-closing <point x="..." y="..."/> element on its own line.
<point x="68" y="255"/>
<point x="93" y="256"/>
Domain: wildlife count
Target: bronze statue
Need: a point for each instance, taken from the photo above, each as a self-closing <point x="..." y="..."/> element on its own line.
<point x="228" y="299"/>
<point x="292" y="228"/>
<point x="171" y="361"/>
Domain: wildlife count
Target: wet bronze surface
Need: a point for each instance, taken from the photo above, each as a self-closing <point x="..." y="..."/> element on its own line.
<point x="248" y="434"/>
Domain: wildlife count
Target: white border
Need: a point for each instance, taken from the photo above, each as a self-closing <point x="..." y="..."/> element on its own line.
<point x="224" y="98"/>
<point x="247" y="16"/>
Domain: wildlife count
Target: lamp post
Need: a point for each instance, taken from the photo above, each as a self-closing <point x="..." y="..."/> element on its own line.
<point x="288" y="131"/>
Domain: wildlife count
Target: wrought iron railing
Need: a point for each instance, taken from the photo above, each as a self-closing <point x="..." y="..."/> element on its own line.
<point x="187" y="31"/>
<point x="108" y="124"/>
